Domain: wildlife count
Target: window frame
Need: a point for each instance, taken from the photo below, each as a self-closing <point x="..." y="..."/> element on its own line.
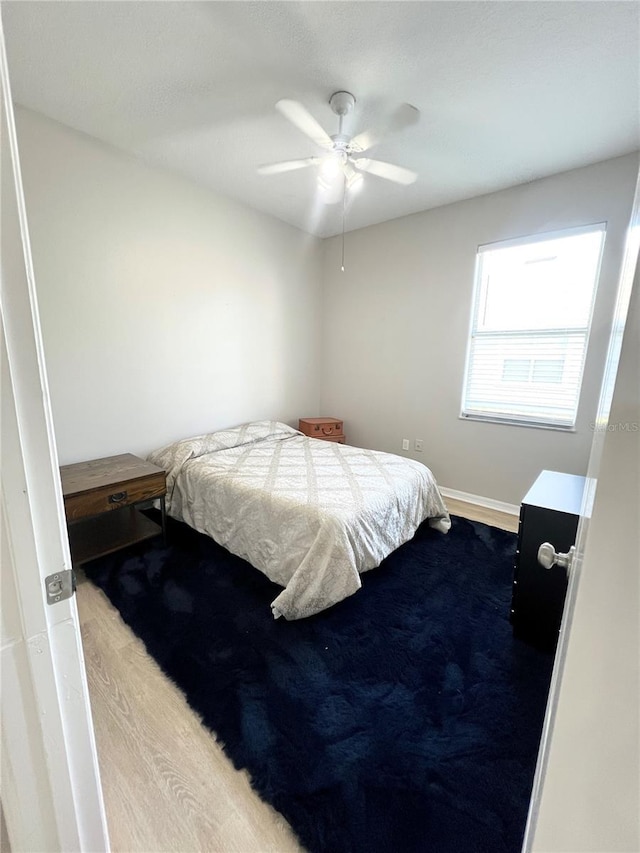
<point x="478" y="301"/>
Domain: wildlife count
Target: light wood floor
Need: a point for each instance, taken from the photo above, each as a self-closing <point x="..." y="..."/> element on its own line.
<point x="167" y="784"/>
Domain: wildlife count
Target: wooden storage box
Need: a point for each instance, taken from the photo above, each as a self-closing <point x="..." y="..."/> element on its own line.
<point x="329" y="429"/>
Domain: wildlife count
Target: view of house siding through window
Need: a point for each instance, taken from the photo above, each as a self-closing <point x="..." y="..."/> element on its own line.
<point x="533" y="303"/>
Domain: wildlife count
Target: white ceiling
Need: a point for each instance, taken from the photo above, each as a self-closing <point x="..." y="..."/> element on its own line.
<point x="508" y="91"/>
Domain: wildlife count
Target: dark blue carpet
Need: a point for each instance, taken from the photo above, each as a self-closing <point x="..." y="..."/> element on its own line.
<point x="406" y="718"/>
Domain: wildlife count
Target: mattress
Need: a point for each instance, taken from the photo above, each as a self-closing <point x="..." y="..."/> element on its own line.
<point x="312" y="515"/>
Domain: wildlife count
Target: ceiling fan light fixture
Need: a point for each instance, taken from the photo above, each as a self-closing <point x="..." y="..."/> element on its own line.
<point x="333" y="183"/>
<point x="331" y="167"/>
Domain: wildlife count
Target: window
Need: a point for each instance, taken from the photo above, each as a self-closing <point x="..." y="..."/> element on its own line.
<point x="533" y="302"/>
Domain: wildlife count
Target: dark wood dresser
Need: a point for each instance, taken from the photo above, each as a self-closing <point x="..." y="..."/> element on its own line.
<point x="100" y="498"/>
<point x="549" y="513"/>
<point x="328" y="429"/>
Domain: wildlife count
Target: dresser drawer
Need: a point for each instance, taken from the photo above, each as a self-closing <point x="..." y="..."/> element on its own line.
<point x="340" y="439"/>
<point x="321" y="427"/>
<point x="114" y="496"/>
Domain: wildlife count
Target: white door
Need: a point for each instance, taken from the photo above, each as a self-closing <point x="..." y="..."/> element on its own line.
<point x="51" y="795"/>
<point x="587" y="789"/>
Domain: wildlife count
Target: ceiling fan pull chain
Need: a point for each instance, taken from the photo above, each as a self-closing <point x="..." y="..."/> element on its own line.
<point x="344" y="205"/>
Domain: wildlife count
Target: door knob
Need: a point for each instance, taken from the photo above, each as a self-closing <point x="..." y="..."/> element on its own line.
<point x="549" y="557"/>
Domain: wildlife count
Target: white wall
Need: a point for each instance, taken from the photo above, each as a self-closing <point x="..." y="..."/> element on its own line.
<point x="396" y="324"/>
<point x="591" y="793"/>
<point x="169" y="311"/>
<point x="166" y="310"/>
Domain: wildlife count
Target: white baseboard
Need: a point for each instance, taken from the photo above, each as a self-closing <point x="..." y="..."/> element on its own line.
<point x="488" y="503"/>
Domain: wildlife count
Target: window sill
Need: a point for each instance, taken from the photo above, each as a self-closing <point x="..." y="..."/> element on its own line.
<point x="487" y="419"/>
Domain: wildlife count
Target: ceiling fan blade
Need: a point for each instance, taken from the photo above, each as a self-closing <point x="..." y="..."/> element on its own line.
<point x="398" y="174"/>
<point x="404" y="116"/>
<point x="304" y="121"/>
<point x="287" y="166"/>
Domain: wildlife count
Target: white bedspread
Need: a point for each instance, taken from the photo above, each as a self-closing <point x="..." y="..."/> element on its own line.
<point x="312" y="515"/>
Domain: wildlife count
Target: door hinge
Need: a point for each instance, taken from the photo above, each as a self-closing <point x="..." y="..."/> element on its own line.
<point x="60" y="586"/>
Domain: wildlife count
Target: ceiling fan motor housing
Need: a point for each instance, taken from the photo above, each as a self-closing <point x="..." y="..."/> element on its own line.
<point x="342" y="103"/>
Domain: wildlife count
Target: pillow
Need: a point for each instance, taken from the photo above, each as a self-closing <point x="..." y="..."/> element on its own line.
<point x="259" y="430"/>
<point x="177" y="453"/>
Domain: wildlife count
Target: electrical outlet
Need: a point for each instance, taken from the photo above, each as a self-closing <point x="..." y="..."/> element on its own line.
<point x="405" y="443"/>
<point x="418" y="444"/>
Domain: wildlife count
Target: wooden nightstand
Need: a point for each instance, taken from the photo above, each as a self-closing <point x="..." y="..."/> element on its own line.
<point x="99" y="502"/>
<point x="328" y="429"/>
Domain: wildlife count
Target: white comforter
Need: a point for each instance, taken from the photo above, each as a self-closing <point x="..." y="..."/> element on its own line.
<point x="312" y="515"/>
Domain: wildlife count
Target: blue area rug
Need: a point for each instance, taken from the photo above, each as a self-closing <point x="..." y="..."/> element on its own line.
<point x="405" y="718"/>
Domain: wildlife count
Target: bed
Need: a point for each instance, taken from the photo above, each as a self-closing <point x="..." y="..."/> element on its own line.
<point x="312" y="515"/>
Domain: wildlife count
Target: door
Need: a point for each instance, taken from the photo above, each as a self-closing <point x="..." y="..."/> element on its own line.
<point x="51" y="795"/>
<point x="587" y="785"/>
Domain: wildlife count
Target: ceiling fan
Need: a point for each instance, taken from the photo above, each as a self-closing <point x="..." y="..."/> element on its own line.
<point x="341" y="167"/>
